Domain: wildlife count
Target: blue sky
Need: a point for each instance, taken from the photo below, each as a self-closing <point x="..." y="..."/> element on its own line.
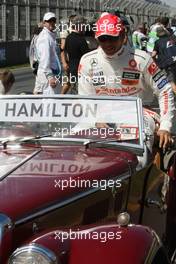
<point x="170" y="2"/>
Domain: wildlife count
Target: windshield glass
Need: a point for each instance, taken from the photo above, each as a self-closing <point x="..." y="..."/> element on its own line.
<point x="76" y="118"/>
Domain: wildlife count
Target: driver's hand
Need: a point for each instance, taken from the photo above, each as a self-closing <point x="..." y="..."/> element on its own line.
<point x="102" y="125"/>
<point x="165" y="138"/>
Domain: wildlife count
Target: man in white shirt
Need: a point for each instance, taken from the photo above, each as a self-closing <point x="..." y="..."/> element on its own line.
<point x="49" y="69"/>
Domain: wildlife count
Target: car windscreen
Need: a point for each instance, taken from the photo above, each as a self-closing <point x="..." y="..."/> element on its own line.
<point x="75" y="118"/>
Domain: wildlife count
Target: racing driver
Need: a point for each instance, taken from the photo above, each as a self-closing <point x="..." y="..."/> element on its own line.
<point x="115" y="68"/>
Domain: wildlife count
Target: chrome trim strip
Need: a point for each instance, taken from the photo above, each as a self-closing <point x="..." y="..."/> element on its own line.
<point x="67" y="96"/>
<point x="156" y="244"/>
<point x="20" y="164"/>
<point x="141" y="123"/>
<point x="50" y="255"/>
<point x="135" y="148"/>
<point x="66" y="202"/>
<point x="5" y="223"/>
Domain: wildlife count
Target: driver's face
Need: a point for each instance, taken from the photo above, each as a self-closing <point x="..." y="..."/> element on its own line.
<point x="111" y="45"/>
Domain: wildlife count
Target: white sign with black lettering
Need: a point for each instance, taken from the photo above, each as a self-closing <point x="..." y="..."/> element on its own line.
<point x="68" y="110"/>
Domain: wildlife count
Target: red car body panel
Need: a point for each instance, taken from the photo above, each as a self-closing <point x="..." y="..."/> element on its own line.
<point x="32" y="185"/>
<point x="119" y="248"/>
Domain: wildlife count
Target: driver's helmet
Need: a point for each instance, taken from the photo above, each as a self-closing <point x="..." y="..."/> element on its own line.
<point x="110" y="25"/>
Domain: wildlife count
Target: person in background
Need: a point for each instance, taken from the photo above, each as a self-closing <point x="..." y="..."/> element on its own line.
<point x="152" y="37"/>
<point x="173" y="26"/>
<point x="139" y="37"/>
<point x="7" y="79"/>
<point x="32" y="49"/>
<point x="65" y="31"/>
<point x="164" y="21"/>
<point x="164" y="54"/>
<point x="90" y="37"/>
<point x="49" y="69"/>
<point x="33" y="53"/>
<point x="128" y="23"/>
<point x="75" y="47"/>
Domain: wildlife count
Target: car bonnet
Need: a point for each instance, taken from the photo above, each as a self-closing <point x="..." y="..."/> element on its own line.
<point x="34" y="182"/>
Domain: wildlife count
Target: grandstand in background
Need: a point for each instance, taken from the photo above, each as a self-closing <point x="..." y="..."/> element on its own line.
<point x="140" y="10"/>
<point x="19" y="17"/>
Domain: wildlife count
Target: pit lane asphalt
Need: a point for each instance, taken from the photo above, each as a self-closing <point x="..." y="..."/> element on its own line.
<point x="24" y="81"/>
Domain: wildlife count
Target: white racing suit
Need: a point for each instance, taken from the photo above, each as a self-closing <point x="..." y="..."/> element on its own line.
<point x="49" y="65"/>
<point x="129" y="72"/>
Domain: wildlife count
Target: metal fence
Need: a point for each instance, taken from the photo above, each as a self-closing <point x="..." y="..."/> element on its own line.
<point x="14" y="52"/>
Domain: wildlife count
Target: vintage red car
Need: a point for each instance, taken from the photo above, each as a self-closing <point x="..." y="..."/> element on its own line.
<point x="73" y="190"/>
